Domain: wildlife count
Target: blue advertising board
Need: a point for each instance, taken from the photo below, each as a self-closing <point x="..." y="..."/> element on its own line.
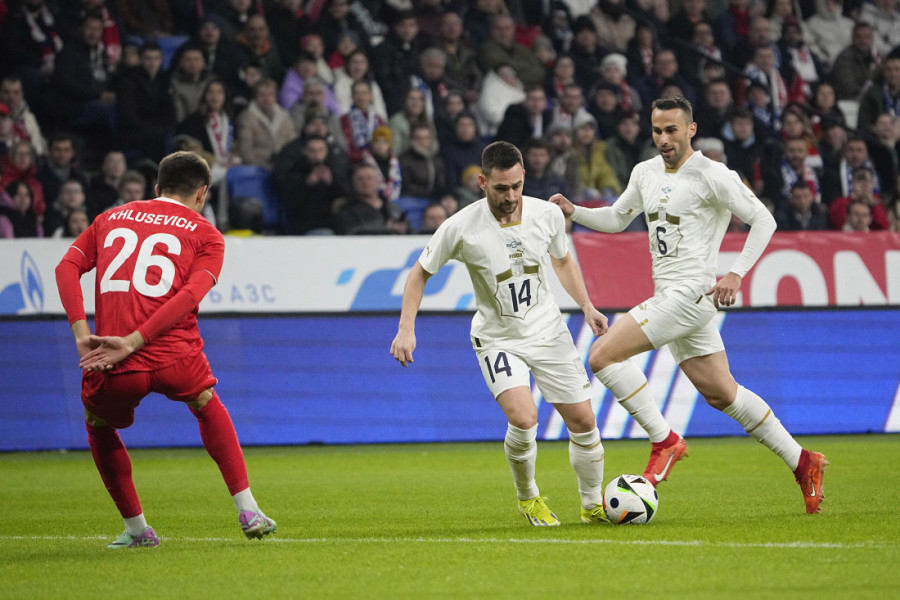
<point x="331" y="380"/>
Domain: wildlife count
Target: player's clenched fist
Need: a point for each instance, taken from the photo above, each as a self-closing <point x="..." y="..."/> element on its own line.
<point x="563" y="203"/>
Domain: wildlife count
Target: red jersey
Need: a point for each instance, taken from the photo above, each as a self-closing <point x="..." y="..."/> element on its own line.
<point x="144" y="253"/>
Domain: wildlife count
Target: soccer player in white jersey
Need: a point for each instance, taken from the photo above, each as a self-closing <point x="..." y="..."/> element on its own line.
<point x="503" y="240"/>
<point x="687" y="201"/>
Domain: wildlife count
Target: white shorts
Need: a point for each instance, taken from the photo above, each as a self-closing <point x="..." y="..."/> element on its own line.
<point x="681" y="319"/>
<point x="557" y="367"/>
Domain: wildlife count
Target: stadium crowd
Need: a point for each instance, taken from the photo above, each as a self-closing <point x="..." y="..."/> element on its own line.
<point x="369" y="116"/>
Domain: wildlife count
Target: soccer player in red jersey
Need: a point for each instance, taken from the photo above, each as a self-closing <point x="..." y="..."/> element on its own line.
<point x="155" y="261"/>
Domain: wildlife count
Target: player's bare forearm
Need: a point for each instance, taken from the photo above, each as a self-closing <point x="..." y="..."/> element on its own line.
<point x="572" y="281"/>
<point x="405" y="341"/>
<point x="724" y="293"/>
<point x="110" y="350"/>
<point x="82" y="334"/>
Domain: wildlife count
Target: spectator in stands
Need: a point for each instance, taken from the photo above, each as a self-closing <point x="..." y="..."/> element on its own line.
<point x="586" y="52"/>
<point x="796" y="57"/>
<point x="681" y="25"/>
<point x="432" y="216"/>
<point x="464" y="149"/>
<point x="264" y="128"/>
<point x="780" y="13"/>
<point x="759" y="35"/>
<point x="188" y="82"/>
<point x="859" y="217"/>
<point x="596" y="174"/>
<point x="665" y="70"/>
<point x="571" y="106"/>
<point x="17" y="216"/>
<point x="742" y="148"/>
<point x="317" y="126"/>
<point x="702" y="49"/>
<point x="289" y="23"/>
<point x="885" y="145"/>
<point x="75" y="224"/>
<point x="862" y="190"/>
<point x="479" y="19"/>
<point x="29" y="44"/>
<point x="71" y="197"/>
<point x="829" y="31"/>
<point x="223" y="56"/>
<point x="801" y="212"/>
<point x="445" y="118"/>
<point x="12" y="94"/>
<point x="8" y="134"/>
<point x="367" y="212"/>
<point x="72" y="15"/>
<point x="526" y="120"/>
<point x="146" y="111"/>
<point x="562" y="158"/>
<point x="462" y="64"/>
<point x="469" y="189"/>
<point x="716" y="107"/>
<point x="59" y="166"/>
<point x="541" y="182"/>
<point x="422" y="167"/>
<point x="356" y="68"/>
<point x="824" y="107"/>
<point x="885" y="21"/>
<point x="762" y="69"/>
<point x="759" y="103"/>
<point x="304" y="69"/>
<point x="236" y="16"/>
<point x="501" y="49"/>
<point x="412" y="114"/>
<point x="881" y="97"/>
<point x="313" y="45"/>
<point x="132" y="188"/>
<point x="103" y="190"/>
<point x="309" y="187"/>
<point x="84" y="78"/>
<point x="337" y="21"/>
<point x="625" y="148"/>
<point x="854" y="65"/>
<point x="396" y="58"/>
<point x="795" y="123"/>
<point x="731" y="26"/>
<point x="428" y="16"/>
<point x="712" y="148"/>
<point x="147" y="19"/>
<point x="433" y="80"/>
<point x="360" y="122"/>
<point x="313" y="104"/>
<point x="894" y="213"/>
<point x="500" y="88"/>
<point x="836" y="181"/>
<point x="381" y="154"/>
<point x="19" y="164"/>
<point x="613" y="24"/>
<point x="791" y="168"/>
<point x="606" y="108"/>
<point x="257" y="45"/>
<point x="613" y="69"/>
<point x="641" y="50"/>
<point x="561" y="75"/>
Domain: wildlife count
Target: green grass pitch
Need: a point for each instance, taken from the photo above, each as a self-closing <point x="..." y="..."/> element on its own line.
<point x="440" y="521"/>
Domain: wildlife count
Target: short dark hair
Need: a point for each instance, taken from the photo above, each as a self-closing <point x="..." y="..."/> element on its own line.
<point x="500" y="155"/>
<point x="859" y="202"/>
<point x="672" y="102"/>
<point x="150" y="47"/>
<point x="183" y="173"/>
<point x="801" y="185"/>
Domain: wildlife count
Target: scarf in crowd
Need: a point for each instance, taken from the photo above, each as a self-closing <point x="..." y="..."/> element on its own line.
<point x="741" y="20"/>
<point x="111" y="42"/>
<point x="790" y="177"/>
<point x="626" y="101"/>
<point x="890" y="101"/>
<point x="847" y="177"/>
<point x="362" y="126"/>
<point x="221" y="135"/>
<point x="42" y="30"/>
<point x="389" y="170"/>
<point x="777" y="89"/>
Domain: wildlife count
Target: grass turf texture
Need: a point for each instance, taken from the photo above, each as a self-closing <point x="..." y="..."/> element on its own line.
<point x="424" y="521"/>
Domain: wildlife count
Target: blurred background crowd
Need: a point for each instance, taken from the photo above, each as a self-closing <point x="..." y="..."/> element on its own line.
<point x="369" y="116"/>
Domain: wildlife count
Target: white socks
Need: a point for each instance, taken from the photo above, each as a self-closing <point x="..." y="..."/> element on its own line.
<point x="134" y="526"/>
<point x="760" y="422"/>
<point x="244" y="501"/>
<point x="629" y="385"/>
<point x="586" y="456"/>
<point x="521" y="454"/>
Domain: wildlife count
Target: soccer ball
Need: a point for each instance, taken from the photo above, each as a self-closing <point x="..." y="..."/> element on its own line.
<point x="630" y="499"/>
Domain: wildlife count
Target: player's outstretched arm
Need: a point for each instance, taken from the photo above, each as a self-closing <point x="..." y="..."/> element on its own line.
<point x="573" y="282"/>
<point x="405" y="341"/>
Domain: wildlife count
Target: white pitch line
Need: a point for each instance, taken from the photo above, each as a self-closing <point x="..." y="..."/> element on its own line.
<point x="688" y="543"/>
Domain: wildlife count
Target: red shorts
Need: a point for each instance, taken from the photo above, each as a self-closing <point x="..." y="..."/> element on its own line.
<point x="114" y="397"/>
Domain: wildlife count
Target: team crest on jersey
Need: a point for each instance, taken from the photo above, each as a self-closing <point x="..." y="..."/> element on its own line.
<point x="513" y="244"/>
<point x="666" y="189"/>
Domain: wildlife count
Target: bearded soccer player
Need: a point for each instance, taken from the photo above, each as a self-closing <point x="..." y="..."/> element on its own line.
<point x="155" y="262"/>
<point x="503" y="239"/>
<point x="687" y="200"/>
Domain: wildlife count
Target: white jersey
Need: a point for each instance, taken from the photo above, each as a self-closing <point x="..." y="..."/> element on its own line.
<point x="507" y="264"/>
<point x="687" y="212"/>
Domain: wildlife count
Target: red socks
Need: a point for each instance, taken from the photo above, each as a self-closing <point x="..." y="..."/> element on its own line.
<point x="803" y="465"/>
<point x="670" y="439"/>
<point x="221" y="442"/>
<point x="114" y="464"/>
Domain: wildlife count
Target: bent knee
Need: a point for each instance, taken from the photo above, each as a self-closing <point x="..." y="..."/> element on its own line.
<point x="93" y="420"/>
<point x="201" y="400"/>
<point x="601" y="356"/>
<point x="718" y="402"/>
